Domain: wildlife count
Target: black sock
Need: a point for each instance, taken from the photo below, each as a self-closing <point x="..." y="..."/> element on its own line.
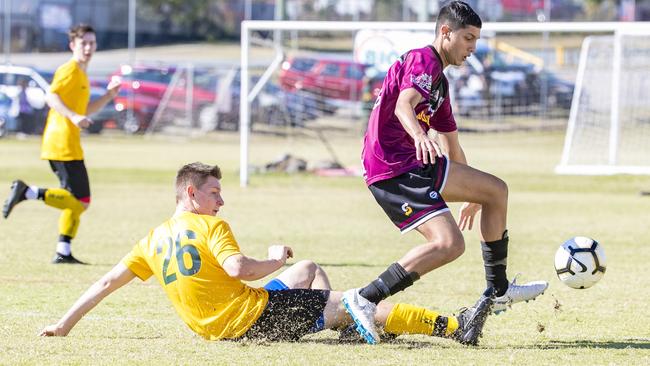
<point x="495" y="255"/>
<point x="41" y="194"/>
<point x="440" y="326"/>
<point x="393" y="280"/>
<point x="65" y="239"/>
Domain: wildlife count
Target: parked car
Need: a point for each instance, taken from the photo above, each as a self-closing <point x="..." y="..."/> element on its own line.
<point x="7" y="121"/>
<point x="327" y="77"/>
<point x="527" y="9"/>
<point x="272" y="106"/>
<point x="149" y="84"/>
<point x="135" y="112"/>
<point x="108" y="115"/>
<point x="11" y="77"/>
<point x="489" y="83"/>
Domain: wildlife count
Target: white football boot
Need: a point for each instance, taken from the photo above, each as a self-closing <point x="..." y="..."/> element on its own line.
<point x="362" y="312"/>
<point x="518" y="293"/>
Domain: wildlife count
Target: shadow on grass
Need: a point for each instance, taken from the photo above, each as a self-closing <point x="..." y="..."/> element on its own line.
<point x="403" y="343"/>
<point x="353" y="265"/>
<point x="134" y="337"/>
<point x="627" y="343"/>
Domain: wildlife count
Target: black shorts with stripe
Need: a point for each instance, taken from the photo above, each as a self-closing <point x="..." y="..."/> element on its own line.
<point x="412" y="198"/>
<point x="289" y="315"/>
<point x="73" y="177"/>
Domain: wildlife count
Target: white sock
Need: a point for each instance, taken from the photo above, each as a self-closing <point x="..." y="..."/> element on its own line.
<point x="31" y="193"/>
<point x="63" y="248"/>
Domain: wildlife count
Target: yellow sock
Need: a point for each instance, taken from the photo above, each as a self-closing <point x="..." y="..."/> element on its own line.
<point x="409" y="319"/>
<point x="69" y="223"/>
<point x="71" y="209"/>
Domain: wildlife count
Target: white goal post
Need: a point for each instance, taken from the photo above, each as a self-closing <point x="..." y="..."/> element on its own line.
<point x="609" y="123"/>
<point x="248" y="94"/>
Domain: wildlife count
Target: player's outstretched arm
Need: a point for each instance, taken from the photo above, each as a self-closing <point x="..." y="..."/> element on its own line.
<point x="111" y="91"/>
<point x="250" y="269"/>
<point x="117" y="277"/>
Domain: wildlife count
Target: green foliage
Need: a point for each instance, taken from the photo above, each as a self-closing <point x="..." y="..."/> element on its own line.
<point x="336" y="222"/>
<point x="204" y="18"/>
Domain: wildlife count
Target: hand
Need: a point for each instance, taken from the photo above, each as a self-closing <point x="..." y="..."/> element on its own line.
<point x="81" y="121"/>
<point x="280" y="253"/>
<point x="425" y="148"/>
<point x="466" y="215"/>
<point x="113" y="86"/>
<point x="53" y="331"/>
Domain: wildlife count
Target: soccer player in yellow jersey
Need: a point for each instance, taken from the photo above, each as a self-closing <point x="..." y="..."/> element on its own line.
<point x="70" y="105"/>
<point x="197" y="261"/>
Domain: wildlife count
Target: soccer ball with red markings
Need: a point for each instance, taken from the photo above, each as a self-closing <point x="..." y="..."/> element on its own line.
<point x="580" y="262"/>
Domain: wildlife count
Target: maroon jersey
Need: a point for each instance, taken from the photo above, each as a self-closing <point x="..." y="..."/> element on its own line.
<point x="388" y="150"/>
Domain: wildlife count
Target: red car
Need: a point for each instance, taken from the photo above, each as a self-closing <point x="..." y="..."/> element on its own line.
<point x="149" y="85"/>
<point x="522" y="7"/>
<point x="331" y="78"/>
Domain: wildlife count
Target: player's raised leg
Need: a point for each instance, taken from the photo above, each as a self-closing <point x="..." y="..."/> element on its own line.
<point x="444" y="243"/>
<point x="466" y="184"/>
<point x="16" y="195"/>
<point x="71" y="209"/>
<point x="412" y="201"/>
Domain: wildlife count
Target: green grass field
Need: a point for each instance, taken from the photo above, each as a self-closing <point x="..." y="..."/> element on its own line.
<point x="335" y="222"/>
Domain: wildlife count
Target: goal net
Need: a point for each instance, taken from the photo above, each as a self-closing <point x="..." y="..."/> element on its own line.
<point x="609" y="125"/>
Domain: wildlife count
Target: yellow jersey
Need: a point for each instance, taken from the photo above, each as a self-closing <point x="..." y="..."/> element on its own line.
<point x="186" y="255"/>
<point x="61" y="139"/>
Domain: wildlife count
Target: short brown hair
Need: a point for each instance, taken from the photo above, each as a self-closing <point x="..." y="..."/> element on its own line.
<point x="458" y="15"/>
<point x="79" y="30"/>
<point x="195" y="174"/>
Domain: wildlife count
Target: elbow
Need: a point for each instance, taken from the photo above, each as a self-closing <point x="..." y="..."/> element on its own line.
<point x="105" y="285"/>
<point x="237" y="269"/>
<point x="402" y="110"/>
<point x="235" y="272"/>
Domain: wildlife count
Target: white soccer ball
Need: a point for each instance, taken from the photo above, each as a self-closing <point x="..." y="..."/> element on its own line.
<point x="580" y="262"/>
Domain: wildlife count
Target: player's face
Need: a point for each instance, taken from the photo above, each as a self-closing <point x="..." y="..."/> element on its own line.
<point x="207" y="199"/>
<point x="84" y="47"/>
<point x="462" y="43"/>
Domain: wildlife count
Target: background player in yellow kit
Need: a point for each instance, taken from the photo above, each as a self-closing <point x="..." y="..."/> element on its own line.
<point x="196" y="259"/>
<point x="70" y="105"/>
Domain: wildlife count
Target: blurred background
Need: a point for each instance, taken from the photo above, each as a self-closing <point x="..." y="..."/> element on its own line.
<point x="180" y="61"/>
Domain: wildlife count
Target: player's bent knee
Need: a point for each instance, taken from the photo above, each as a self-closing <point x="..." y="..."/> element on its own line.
<point x="498" y="189"/>
<point x="502" y="188"/>
<point x="307" y="266"/>
<point x="457" y="248"/>
<point x="449" y="248"/>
